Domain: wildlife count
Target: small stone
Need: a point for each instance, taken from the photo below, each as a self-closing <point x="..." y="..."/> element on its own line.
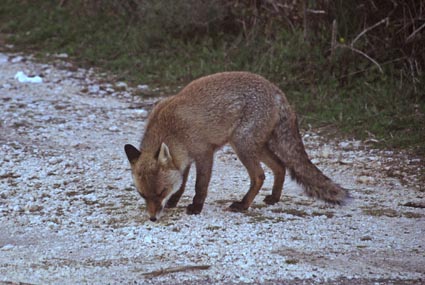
<point x="17" y="59"/>
<point x="62" y="55"/>
<point x="142" y="112"/>
<point x="3" y="58"/>
<point x="7" y="247"/>
<point x="326" y="152"/>
<point x="365" y="180"/>
<point x="55" y="160"/>
<point x="16" y="208"/>
<point x="114" y="129"/>
<point x="31" y="207"/>
<point x="94" y="88"/>
<point x="344" y="145"/>
<point x="143" y="87"/>
<point x="121" y="84"/>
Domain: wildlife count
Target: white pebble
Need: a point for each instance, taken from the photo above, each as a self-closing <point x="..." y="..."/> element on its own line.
<point x="7" y="247"/>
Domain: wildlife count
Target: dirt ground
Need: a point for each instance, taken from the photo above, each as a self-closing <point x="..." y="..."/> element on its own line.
<point x="69" y="213"/>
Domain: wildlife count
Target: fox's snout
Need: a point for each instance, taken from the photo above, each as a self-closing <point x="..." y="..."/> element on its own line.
<point x="154" y="210"/>
<point x="153" y="219"/>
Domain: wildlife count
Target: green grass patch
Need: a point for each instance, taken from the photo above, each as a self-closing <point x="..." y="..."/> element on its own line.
<point x="376" y="212"/>
<point x="292" y="261"/>
<point x="293" y="212"/>
<point x="159" y="52"/>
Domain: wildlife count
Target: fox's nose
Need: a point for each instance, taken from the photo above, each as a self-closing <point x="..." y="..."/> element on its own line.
<point x="153" y="219"/>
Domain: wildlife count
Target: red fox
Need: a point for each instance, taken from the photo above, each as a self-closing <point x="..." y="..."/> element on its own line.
<point x="239" y="108"/>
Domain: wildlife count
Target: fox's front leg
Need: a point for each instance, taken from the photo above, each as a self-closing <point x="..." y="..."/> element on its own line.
<point x="174" y="199"/>
<point x="203" y="175"/>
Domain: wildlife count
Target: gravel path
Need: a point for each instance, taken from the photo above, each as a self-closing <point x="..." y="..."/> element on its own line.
<point x="69" y="213"/>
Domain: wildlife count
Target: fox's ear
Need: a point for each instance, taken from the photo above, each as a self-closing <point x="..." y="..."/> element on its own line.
<point x="132" y="153"/>
<point x="164" y="156"/>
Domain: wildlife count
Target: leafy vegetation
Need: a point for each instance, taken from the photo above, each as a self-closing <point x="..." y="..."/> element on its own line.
<point x="353" y="67"/>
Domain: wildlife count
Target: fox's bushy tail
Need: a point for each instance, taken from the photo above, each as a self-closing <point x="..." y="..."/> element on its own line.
<point x="287" y="144"/>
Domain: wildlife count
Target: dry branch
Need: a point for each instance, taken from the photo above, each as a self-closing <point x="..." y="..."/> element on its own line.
<point x="164" y="271"/>
<point x="368" y="29"/>
<point x="14" y="283"/>
<point x="412" y="35"/>
<point x="311" y="11"/>
<point x="333" y="38"/>
<point x="363" y="54"/>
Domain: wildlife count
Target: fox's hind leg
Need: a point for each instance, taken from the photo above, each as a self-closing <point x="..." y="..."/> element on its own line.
<point x="256" y="173"/>
<point x="279" y="170"/>
<point x="248" y="140"/>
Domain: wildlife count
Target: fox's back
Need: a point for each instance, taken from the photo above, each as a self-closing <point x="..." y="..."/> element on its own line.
<point x="229" y="90"/>
<point x="226" y="97"/>
<point x="212" y="107"/>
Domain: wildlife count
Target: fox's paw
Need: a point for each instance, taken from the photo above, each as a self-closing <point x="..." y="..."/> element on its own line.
<point x="193" y="209"/>
<point x="270" y="200"/>
<point x="237" y="207"/>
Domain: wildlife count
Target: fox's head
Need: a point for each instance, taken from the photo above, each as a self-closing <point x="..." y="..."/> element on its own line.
<point x="155" y="176"/>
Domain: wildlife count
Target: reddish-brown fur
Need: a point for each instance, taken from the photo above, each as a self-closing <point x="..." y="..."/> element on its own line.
<point x="239" y="108"/>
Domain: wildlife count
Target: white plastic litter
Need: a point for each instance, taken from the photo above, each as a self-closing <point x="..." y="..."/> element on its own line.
<point x="23" y="78"/>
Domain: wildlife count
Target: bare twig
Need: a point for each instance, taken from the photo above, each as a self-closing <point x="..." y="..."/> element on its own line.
<point x="367" y="69"/>
<point x="363" y="54"/>
<point x="311" y="11"/>
<point x="164" y="271"/>
<point x="305" y="32"/>
<point x="333" y="38"/>
<point x="412" y="35"/>
<point x="368" y="29"/>
<point x="14" y="283"/>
